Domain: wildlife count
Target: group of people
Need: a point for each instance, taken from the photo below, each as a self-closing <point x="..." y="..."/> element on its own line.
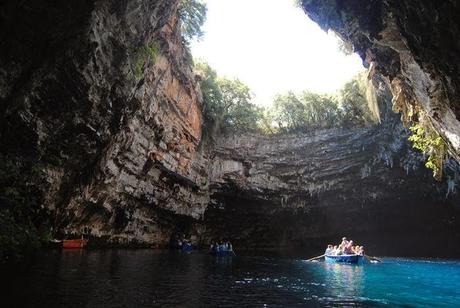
<point x="221" y="246"/>
<point x="346" y="247"/>
<point x="179" y="242"/>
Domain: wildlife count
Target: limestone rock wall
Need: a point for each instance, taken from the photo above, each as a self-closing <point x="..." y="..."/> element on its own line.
<point x="299" y="191"/>
<point x="100" y="132"/>
<point x="412" y="43"/>
<point x="101" y="112"/>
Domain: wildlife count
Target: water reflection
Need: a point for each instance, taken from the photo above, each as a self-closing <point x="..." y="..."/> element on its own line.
<point x="343" y="281"/>
<point x="146" y="278"/>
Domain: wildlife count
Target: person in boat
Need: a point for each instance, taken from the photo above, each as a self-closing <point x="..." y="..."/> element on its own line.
<point x="360" y="250"/>
<point x="343" y="244"/>
<point x="348" y="250"/>
<point x="213" y="247"/>
<point x="229" y="246"/>
<point x="221" y="246"/>
<point x="335" y="250"/>
<point x="225" y="246"/>
<point x="340" y="250"/>
<point x="329" y="250"/>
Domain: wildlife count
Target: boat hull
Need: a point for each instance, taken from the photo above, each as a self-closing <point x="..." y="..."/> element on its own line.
<point x="74" y="244"/>
<point x="349" y="259"/>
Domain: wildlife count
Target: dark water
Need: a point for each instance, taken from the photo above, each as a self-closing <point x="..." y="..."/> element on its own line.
<point x="148" y="278"/>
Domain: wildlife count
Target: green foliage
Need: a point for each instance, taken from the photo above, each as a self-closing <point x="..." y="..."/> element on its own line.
<point x="240" y="114"/>
<point x="309" y="110"/>
<point x="20" y="209"/>
<point x="426" y="140"/>
<point x="16" y="238"/>
<point x="227" y="105"/>
<point x="354" y="104"/>
<point x="192" y="15"/>
<point x="146" y="53"/>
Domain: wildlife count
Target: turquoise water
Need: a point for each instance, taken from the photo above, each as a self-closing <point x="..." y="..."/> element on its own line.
<point x="395" y="282"/>
<point x="148" y="278"/>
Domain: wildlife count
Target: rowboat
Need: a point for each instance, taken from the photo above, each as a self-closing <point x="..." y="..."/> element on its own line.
<point x="80" y="243"/>
<point x="350" y="259"/>
<point x="186" y="247"/>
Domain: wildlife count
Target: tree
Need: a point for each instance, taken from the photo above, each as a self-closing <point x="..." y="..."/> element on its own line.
<point x="192" y="15"/>
<point x="227" y="105"/>
<point x="354" y="104"/>
<point x="289" y="112"/>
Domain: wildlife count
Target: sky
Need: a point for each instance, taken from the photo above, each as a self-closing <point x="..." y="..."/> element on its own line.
<point x="273" y="47"/>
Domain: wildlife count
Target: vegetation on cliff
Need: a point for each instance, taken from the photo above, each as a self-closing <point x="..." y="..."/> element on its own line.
<point x="227" y="107"/>
<point x="23" y="221"/>
<point x="192" y="15"/>
<point x="425" y="139"/>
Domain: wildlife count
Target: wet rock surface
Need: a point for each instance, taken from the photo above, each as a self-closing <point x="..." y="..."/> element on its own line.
<point x="100" y="132"/>
<point x="414" y="45"/>
<point x="299" y="191"/>
<point x="100" y="112"/>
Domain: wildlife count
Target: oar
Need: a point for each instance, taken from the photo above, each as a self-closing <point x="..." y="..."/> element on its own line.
<point x="315" y="258"/>
<point x="373" y="258"/>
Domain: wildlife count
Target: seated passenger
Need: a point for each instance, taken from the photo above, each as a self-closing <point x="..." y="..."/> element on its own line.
<point x="335" y="250"/>
<point x="329" y="250"/>
<point x="348" y="248"/>
<point x="355" y="249"/>
<point x="360" y="250"/>
<point x="213" y="246"/>
<point x="344" y="243"/>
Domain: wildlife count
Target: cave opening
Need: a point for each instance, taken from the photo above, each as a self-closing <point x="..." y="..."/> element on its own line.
<point x="279" y="51"/>
<point x="290" y="82"/>
<point x="114" y="133"/>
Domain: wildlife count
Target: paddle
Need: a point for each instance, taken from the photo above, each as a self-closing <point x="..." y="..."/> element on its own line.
<point x="315" y="258"/>
<point x="372" y="258"/>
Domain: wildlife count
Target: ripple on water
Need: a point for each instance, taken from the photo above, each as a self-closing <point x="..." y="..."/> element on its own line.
<point x="145" y="278"/>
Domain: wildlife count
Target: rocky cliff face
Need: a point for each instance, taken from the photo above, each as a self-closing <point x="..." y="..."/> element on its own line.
<point x="299" y="191"/>
<point x="100" y="131"/>
<point x="100" y="118"/>
<point x="412" y="43"/>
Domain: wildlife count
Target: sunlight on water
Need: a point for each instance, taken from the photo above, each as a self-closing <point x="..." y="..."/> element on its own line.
<point x="148" y="278"/>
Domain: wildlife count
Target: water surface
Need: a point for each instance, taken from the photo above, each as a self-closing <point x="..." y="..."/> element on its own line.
<point x="149" y="278"/>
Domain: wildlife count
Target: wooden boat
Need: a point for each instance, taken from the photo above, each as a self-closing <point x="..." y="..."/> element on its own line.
<point x="72" y="244"/>
<point x="350" y="259"/>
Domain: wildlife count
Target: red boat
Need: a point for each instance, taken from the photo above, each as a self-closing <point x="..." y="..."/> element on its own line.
<point x="80" y="243"/>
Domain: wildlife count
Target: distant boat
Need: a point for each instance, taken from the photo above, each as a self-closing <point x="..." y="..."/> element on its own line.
<point x="186" y="247"/>
<point x="72" y="244"/>
<point x="350" y="259"/>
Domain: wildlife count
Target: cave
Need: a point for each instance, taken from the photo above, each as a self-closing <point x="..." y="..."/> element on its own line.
<point x="101" y="130"/>
<point x="103" y="136"/>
